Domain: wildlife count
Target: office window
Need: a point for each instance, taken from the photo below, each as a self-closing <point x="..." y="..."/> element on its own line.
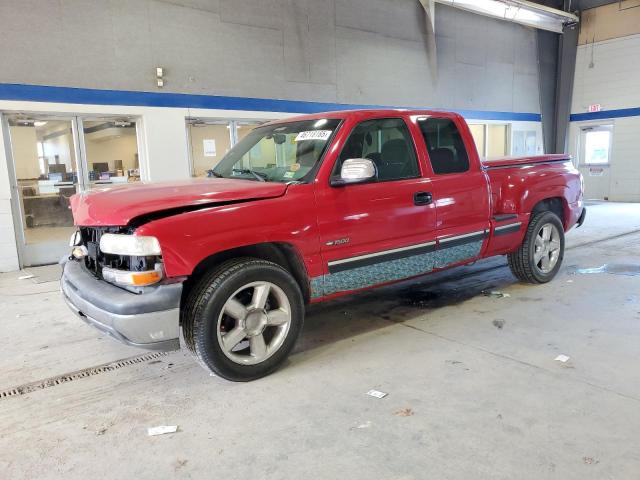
<point x="478" y="132"/>
<point x="445" y="146"/>
<point x="524" y="143"/>
<point x="496" y="140"/>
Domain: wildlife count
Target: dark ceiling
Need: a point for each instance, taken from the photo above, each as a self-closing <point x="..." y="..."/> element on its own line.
<point x="575" y="4"/>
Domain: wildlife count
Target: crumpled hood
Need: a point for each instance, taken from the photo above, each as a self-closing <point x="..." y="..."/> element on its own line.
<point x="118" y="205"/>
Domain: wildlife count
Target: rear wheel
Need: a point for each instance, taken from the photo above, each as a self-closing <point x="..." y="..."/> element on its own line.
<point x="540" y="256"/>
<point x="242" y="320"/>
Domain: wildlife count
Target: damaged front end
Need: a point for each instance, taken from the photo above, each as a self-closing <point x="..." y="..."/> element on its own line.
<point x="115" y="281"/>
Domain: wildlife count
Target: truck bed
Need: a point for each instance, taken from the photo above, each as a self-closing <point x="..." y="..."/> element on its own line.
<point x="504" y="162"/>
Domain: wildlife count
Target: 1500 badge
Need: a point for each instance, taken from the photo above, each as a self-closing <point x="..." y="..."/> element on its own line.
<point x="339" y="241"/>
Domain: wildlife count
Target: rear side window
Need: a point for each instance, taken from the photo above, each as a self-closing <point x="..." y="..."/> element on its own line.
<point x="444" y="145"/>
<point x="387" y="143"/>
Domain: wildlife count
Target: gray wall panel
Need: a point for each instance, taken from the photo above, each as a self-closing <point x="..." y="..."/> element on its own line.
<point x="346" y="51"/>
<point x="499" y="86"/>
<point x="525" y="93"/>
<point x="208" y="5"/>
<point x="259" y="13"/>
<point x="392" y="18"/>
<point x="526" y="53"/>
<point x="469" y="93"/>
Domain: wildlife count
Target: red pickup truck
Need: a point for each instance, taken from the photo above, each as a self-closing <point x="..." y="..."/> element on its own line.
<point x="304" y="210"/>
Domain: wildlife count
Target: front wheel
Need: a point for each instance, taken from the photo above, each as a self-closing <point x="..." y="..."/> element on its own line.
<point x="242" y="320"/>
<point x="539" y="257"/>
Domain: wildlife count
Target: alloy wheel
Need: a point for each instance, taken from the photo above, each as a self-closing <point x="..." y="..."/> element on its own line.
<point x="254" y="323"/>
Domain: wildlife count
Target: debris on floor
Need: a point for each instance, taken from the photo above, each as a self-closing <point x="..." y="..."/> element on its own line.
<point x="613" y="268"/>
<point x="180" y="462"/>
<point x="498" y="324"/>
<point x="562" y="358"/>
<point x="101" y="431"/>
<point x="590" y="460"/>
<point x="495" y="294"/>
<point x="457" y="363"/>
<point x="403" y="412"/>
<point x="25" y="277"/>
<point x="161" y="430"/>
<point x="377" y="393"/>
<point x="367" y="424"/>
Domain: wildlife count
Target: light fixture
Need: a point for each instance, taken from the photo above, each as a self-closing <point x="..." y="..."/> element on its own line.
<point x="518" y="11"/>
<point x="160" y="77"/>
<point x="39" y="123"/>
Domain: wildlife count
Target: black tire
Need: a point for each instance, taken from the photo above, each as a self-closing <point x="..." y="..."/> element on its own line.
<point x="522" y="263"/>
<point x="205" y="302"/>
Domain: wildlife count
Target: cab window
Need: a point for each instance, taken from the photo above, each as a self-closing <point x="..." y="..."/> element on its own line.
<point x="445" y="146"/>
<point x="387" y="143"/>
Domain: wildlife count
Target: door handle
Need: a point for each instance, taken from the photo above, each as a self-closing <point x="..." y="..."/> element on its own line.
<point x="422" y="198"/>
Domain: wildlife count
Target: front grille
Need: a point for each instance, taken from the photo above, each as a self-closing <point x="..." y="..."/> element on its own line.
<point x="96" y="260"/>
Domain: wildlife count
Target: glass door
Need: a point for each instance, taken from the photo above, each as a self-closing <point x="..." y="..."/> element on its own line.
<point x="209" y="141"/>
<point x="52" y="157"/>
<point x="211" y="138"/>
<point x="46" y="174"/>
<point x="594" y="160"/>
<point x="243" y="128"/>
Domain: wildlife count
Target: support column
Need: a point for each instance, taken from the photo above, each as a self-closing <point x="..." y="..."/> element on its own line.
<point x="567" y="52"/>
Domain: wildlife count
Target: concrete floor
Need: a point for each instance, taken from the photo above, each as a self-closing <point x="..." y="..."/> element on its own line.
<point x="473" y="388"/>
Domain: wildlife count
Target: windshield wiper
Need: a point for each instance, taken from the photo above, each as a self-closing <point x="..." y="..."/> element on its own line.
<point x="259" y="175"/>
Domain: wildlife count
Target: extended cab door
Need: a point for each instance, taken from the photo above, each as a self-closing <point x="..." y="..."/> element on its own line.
<point x="460" y="188"/>
<point x="383" y="230"/>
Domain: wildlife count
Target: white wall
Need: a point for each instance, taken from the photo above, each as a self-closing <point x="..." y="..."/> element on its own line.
<point x="608" y="73"/>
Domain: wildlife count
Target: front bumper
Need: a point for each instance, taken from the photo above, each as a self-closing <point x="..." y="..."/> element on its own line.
<point x="148" y="320"/>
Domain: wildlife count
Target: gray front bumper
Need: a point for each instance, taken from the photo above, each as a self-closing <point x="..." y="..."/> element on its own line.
<point x="147" y="320"/>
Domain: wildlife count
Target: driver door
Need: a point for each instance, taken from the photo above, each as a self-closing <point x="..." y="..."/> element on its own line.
<point x="382" y="230"/>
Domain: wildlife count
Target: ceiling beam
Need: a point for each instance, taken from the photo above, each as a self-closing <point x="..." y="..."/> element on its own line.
<point x="523" y="12"/>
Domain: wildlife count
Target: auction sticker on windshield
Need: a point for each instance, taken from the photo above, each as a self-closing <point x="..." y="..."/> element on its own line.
<point x="313" y="135"/>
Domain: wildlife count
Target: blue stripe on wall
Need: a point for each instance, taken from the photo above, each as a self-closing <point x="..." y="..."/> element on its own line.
<point x="619" y="113"/>
<point x="89" y="96"/>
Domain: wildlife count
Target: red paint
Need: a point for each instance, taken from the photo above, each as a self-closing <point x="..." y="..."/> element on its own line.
<point x="120" y="204"/>
<point x="374" y="216"/>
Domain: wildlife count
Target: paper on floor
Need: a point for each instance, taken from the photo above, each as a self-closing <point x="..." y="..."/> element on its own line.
<point x="162" y="429"/>
<point x="377" y="393"/>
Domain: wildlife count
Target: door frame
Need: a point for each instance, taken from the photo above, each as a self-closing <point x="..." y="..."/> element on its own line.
<point x="17" y="213"/>
<point x="79" y="149"/>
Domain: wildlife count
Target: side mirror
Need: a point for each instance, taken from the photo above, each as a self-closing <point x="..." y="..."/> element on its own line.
<point x="355" y="170"/>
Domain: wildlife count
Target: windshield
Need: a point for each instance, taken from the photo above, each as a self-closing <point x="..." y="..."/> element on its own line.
<point x="284" y="152"/>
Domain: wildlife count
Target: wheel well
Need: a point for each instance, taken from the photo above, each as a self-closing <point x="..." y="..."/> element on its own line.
<point x="282" y="254"/>
<point x="555" y="205"/>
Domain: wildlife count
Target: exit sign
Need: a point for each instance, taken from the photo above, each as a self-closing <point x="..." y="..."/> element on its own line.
<point x="596" y="107"/>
